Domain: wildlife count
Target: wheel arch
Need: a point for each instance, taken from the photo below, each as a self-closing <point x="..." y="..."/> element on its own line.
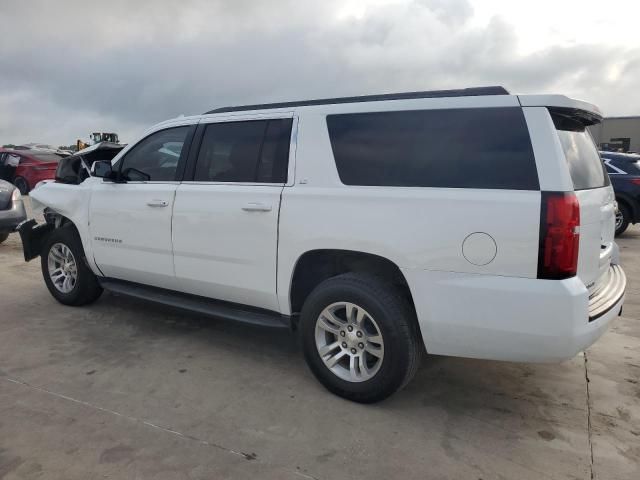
<point x="314" y="266"/>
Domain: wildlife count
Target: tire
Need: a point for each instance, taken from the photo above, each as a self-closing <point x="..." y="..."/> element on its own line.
<point x="386" y="310"/>
<point x="22" y="185"/>
<point x="622" y="222"/>
<point x="85" y="289"/>
<point x="3" y="237"/>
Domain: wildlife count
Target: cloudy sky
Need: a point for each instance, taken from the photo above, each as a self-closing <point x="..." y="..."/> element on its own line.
<point x="68" y="67"/>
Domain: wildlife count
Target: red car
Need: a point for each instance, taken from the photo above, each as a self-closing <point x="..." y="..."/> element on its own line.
<point x="34" y="166"/>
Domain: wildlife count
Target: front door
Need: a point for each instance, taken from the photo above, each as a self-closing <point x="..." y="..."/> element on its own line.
<point x="130" y="222"/>
<point x="225" y="221"/>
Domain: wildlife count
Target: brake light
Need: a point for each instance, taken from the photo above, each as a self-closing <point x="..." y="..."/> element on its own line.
<point x="635" y="181"/>
<point x="559" y="235"/>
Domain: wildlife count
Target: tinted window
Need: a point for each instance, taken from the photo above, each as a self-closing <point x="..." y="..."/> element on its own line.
<point x="156" y="157"/>
<point x="585" y="166"/>
<point x="274" y="159"/>
<point x="461" y="148"/>
<point x="249" y="151"/>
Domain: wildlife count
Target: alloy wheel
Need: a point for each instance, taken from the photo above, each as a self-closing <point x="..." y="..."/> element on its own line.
<point x="349" y="342"/>
<point x="63" y="269"/>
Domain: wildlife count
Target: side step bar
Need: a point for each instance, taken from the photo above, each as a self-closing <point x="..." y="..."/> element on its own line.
<point x="197" y="304"/>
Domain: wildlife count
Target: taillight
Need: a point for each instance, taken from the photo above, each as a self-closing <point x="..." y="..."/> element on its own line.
<point x="635" y="181"/>
<point x="559" y="235"/>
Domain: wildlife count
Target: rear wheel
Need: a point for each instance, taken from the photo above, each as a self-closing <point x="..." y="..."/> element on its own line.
<point x="65" y="271"/>
<point x="22" y="185"/>
<point x="623" y="218"/>
<point x="360" y="337"/>
<point x="3" y="237"/>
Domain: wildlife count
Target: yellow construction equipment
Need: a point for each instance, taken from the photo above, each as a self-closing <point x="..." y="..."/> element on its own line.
<point x="97" y="137"/>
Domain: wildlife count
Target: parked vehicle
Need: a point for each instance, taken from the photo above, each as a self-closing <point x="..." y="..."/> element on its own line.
<point x="34" y="166"/>
<point x="624" y="171"/>
<point x="471" y="223"/>
<point x="12" y="211"/>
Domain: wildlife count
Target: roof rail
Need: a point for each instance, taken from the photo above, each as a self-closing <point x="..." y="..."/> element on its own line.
<point x="463" y="92"/>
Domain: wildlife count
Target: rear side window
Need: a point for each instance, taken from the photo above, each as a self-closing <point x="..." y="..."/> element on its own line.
<point x="456" y="148"/>
<point x="585" y="166"/>
<point x="255" y="151"/>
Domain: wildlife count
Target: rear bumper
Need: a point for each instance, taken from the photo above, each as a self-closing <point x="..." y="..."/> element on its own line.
<point x="609" y="294"/>
<point x="506" y="318"/>
<point x="11" y="218"/>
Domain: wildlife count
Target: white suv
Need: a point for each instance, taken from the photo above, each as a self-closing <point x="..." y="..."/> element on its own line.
<point x="471" y="222"/>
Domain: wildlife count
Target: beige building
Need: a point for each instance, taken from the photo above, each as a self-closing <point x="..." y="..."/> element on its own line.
<point x="616" y="133"/>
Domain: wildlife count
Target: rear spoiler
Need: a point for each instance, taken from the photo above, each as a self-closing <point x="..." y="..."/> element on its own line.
<point x="561" y="106"/>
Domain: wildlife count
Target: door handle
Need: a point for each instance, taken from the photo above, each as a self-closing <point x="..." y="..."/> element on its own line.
<point x="158" y="203"/>
<point x="256" y="207"/>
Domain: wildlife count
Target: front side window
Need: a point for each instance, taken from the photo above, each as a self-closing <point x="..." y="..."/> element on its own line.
<point x="155" y="158"/>
<point x="254" y="151"/>
<point x="453" y="148"/>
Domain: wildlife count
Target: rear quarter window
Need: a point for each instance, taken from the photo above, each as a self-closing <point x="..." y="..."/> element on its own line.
<point x="485" y="148"/>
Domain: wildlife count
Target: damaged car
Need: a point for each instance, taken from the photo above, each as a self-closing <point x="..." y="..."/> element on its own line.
<point x="347" y="220"/>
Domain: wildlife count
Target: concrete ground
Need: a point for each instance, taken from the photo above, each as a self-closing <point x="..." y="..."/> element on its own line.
<point x="127" y="390"/>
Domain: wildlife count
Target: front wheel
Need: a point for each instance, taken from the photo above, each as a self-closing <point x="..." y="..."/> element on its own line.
<point x="623" y="218"/>
<point x="3" y="237"/>
<point x="65" y="271"/>
<point x="22" y="185"/>
<point x="360" y="337"/>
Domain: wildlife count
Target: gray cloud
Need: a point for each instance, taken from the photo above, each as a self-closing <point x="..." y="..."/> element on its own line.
<point x="75" y="70"/>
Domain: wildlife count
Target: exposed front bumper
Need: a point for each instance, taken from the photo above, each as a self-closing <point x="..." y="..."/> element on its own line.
<point x="11" y="218"/>
<point x="33" y="236"/>
<point x="506" y="318"/>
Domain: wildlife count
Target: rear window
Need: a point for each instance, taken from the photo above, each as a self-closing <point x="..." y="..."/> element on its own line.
<point x="46" y="157"/>
<point x="585" y="166"/>
<point x="621" y="166"/>
<point x="454" y="148"/>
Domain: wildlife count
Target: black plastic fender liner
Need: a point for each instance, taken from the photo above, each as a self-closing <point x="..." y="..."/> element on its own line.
<point x="33" y="236"/>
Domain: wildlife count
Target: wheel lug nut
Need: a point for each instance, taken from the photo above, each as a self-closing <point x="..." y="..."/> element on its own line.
<point x="344" y="344"/>
<point x="359" y="333"/>
<point x="342" y="334"/>
<point x="361" y="345"/>
<point x="350" y="328"/>
<point x="353" y="350"/>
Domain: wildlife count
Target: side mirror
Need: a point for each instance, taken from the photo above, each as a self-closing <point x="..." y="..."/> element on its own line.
<point x="102" y="170"/>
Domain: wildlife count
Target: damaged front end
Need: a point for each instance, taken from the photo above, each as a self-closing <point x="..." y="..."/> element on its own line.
<point x="66" y="199"/>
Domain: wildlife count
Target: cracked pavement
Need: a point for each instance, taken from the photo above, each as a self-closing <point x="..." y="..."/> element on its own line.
<point x="128" y="390"/>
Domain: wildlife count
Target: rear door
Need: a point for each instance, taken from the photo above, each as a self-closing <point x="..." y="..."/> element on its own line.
<point x="595" y="196"/>
<point x="225" y="218"/>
